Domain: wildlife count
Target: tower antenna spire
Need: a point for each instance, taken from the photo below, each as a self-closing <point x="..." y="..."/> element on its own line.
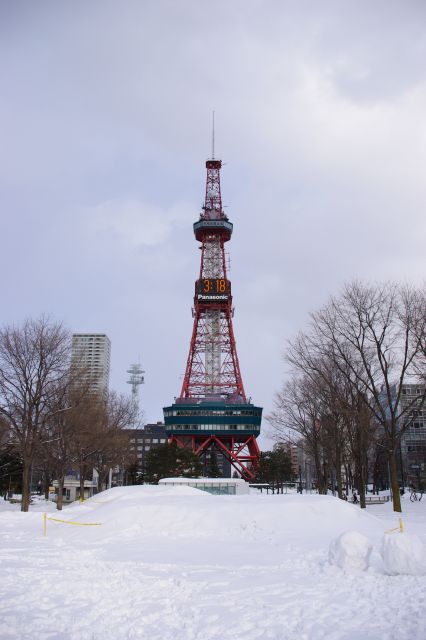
<point x="213" y="138"/>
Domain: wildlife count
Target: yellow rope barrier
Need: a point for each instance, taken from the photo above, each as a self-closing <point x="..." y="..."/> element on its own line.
<point x="79" y="524"/>
<point x="400" y="528"/>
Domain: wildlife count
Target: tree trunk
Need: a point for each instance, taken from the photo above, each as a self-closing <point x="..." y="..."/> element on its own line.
<point x="26" y="476"/>
<point x="82" y="474"/>
<point x="103" y="479"/>
<point x="361" y="463"/>
<point x="324" y="478"/>
<point x="100" y="480"/>
<point x="376" y="475"/>
<point x="348" y="477"/>
<point x="339" y="474"/>
<point x="396" y="497"/>
<point x="318" y="471"/>
<point x="361" y="486"/>
<point x="46" y="486"/>
<point x="60" y="500"/>
<point x="338" y="464"/>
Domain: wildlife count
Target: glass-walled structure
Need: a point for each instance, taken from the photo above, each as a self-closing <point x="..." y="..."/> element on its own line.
<point x="215" y="486"/>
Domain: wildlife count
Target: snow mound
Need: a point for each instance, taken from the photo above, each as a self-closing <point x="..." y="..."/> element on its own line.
<point x="169" y="524"/>
<point x="152" y="519"/>
<point x="350" y="551"/>
<point x="403" y="554"/>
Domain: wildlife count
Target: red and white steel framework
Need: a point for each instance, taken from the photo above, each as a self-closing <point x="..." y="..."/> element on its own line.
<point x="242" y="452"/>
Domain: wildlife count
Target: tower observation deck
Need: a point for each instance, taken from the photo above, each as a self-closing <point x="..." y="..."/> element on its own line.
<point x="213" y="413"/>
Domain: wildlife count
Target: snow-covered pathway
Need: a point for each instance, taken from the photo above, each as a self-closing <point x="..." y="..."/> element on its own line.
<point x="174" y="564"/>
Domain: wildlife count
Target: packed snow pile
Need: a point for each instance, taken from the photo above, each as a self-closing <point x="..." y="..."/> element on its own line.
<point x="350" y="551"/>
<point x="187" y="515"/>
<point x="404" y="554"/>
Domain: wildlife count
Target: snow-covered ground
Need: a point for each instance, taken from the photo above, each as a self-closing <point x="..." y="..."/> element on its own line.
<point x="173" y="563"/>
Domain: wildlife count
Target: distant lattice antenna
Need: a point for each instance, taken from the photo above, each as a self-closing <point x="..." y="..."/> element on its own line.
<point x="136" y="378"/>
<point x="213" y="138"/>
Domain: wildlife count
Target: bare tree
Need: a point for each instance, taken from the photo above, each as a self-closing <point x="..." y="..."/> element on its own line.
<point x="85" y="435"/>
<point x="34" y="360"/>
<point x="327" y="386"/>
<point x="375" y="335"/>
<point x="57" y="454"/>
<point x="355" y="358"/>
<point x="298" y="410"/>
<point x="113" y="443"/>
<point x="360" y="436"/>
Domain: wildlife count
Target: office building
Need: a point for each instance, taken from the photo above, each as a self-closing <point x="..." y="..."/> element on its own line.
<point x="413" y="442"/>
<point x="91" y="354"/>
<point x="143" y="440"/>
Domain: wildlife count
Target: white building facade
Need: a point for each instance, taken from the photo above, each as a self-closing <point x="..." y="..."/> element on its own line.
<point x="91" y="353"/>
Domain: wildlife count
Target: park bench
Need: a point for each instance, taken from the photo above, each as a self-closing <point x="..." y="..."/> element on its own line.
<point x="261" y="486"/>
<point x="376" y="499"/>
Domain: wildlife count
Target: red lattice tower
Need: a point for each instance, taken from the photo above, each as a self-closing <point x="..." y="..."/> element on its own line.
<point x="212" y="412"/>
<point x="212" y="366"/>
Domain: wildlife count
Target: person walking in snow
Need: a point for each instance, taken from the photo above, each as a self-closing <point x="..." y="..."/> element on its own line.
<point x="354" y="498"/>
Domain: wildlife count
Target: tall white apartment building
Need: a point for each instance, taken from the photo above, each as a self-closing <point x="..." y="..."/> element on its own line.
<point x="91" y="353"/>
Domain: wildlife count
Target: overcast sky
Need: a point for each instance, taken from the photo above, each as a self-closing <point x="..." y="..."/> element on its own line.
<point x="105" y="126"/>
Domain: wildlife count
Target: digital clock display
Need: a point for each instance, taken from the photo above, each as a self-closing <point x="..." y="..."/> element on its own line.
<point x="214" y="289"/>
